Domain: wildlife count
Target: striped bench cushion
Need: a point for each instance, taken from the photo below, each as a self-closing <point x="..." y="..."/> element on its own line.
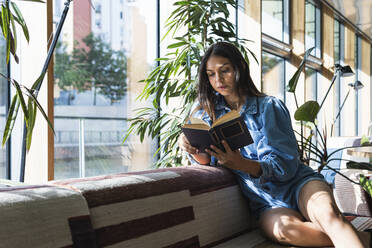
<point x="42" y="215"/>
<point x="350" y="197"/>
<point x="192" y="206"/>
<point x="255" y="239"/>
<point x="184" y="207"/>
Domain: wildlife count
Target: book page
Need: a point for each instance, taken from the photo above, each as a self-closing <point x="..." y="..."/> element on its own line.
<point x="194" y="120"/>
<point x="227" y="117"/>
<point x="197" y="126"/>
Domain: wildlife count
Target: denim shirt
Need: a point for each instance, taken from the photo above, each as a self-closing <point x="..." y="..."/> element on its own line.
<point x="274" y="147"/>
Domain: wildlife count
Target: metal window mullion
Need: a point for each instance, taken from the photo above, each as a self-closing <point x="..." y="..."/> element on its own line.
<point x="81" y="149"/>
<point x="8" y="144"/>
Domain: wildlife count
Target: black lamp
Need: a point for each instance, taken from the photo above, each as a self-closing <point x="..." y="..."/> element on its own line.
<point x="345" y="70"/>
<point x="342" y="71"/>
<point x="357" y="85"/>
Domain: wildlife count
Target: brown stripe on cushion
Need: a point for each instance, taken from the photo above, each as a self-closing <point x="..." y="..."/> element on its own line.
<point x="192" y="242"/>
<point x="82" y="232"/>
<point x="135" y="228"/>
<point x="196" y="179"/>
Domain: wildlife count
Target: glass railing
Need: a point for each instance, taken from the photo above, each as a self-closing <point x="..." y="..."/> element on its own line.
<point x="90" y="146"/>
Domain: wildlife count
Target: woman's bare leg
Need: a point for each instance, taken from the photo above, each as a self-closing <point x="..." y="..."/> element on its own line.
<point x="287" y="226"/>
<point x="317" y="205"/>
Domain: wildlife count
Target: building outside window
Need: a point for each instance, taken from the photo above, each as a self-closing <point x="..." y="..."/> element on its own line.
<point x="313" y="28"/>
<point x="96" y="76"/>
<point x="275" y="19"/>
<point x="4" y="84"/>
<point x="273" y="75"/>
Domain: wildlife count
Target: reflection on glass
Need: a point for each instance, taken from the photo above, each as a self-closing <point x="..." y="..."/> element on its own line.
<point x="310" y="84"/>
<point x="272" y="18"/>
<point x="310" y="26"/>
<point x="3" y="105"/>
<point x="98" y="61"/>
<point x="273" y="81"/>
<point x="336" y="37"/>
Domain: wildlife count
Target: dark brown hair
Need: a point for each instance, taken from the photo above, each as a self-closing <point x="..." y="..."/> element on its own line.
<point x="244" y="83"/>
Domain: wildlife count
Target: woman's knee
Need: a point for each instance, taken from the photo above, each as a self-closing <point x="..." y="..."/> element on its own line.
<point x="279" y="225"/>
<point x="316" y="201"/>
<point x="284" y="230"/>
<point x="324" y="212"/>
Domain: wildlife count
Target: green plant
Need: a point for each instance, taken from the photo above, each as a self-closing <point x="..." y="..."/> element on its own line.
<point x="96" y="65"/>
<point x="312" y="145"/>
<point x="9" y="16"/>
<point x="194" y="25"/>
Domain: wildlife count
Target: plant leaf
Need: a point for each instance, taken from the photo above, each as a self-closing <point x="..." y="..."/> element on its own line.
<point x="307" y="111"/>
<point x="12" y="115"/>
<point x="21" y="99"/>
<point x="5" y="28"/>
<point x="364" y="140"/>
<point x="292" y="84"/>
<point x="366" y="184"/>
<point x="38" y="81"/>
<point x="14" y="35"/>
<point x="21" y="21"/>
<point x="38" y="105"/>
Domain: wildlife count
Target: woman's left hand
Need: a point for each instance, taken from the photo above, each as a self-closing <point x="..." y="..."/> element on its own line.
<point x="230" y="158"/>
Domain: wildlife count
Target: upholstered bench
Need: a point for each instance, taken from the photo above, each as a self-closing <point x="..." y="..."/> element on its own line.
<point x="43" y="216"/>
<point x="183" y="207"/>
<point x="194" y="206"/>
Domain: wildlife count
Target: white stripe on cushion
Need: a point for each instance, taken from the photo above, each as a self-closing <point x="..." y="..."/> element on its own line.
<point x="117" y="213"/>
<point x="218" y="218"/>
<point x="39" y="217"/>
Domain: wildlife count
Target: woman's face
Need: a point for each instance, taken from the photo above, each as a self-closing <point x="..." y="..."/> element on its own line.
<point x="221" y="75"/>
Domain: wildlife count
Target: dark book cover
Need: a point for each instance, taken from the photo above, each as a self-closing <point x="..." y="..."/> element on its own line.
<point x="234" y="131"/>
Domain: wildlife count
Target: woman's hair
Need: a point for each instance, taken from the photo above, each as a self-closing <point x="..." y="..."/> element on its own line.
<point x="244" y="83"/>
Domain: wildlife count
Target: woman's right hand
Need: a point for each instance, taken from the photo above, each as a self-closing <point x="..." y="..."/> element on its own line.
<point x="184" y="144"/>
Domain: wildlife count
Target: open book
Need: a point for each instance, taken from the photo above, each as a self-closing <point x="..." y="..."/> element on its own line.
<point x="230" y="127"/>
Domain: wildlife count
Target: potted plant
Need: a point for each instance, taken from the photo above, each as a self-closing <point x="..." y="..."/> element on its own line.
<point x="312" y="145"/>
<point x="193" y="26"/>
<point x="10" y="16"/>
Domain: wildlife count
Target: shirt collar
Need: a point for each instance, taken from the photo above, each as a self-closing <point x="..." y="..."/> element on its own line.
<point x="250" y="106"/>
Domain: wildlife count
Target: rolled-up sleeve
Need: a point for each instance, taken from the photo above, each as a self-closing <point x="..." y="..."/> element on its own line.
<point x="277" y="148"/>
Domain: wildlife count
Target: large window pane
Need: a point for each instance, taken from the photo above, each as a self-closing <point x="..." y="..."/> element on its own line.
<point x="358" y="76"/>
<point x="105" y="49"/>
<point x="310" y="84"/>
<point x="336" y="38"/>
<point x="337" y="89"/>
<point x="3" y="108"/>
<point x="273" y="75"/>
<point x="275" y="19"/>
<point x="312" y="28"/>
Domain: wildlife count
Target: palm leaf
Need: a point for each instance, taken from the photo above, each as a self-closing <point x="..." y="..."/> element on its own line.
<point x="38" y="105"/>
<point x="12" y="115"/>
<point x="21" y="21"/>
<point x="292" y="84"/>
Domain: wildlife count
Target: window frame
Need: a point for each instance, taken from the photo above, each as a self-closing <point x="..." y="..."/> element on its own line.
<point x="285" y="23"/>
<point x="317" y="52"/>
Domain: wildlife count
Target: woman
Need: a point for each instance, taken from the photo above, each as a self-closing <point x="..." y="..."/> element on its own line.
<point x="293" y="203"/>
